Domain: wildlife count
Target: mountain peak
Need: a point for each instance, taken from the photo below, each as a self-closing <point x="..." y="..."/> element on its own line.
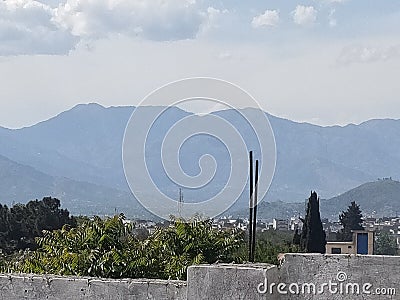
<point x="86" y="106"/>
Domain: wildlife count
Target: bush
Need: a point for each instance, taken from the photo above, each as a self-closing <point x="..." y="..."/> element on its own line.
<point x="108" y="248"/>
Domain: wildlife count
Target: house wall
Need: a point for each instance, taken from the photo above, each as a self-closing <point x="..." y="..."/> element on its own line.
<point x="351" y="247"/>
<point x="345" y="247"/>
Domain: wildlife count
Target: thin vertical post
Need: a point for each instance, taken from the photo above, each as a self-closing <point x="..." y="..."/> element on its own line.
<point x="255" y="199"/>
<point x="251" y="208"/>
<point x="180" y="203"/>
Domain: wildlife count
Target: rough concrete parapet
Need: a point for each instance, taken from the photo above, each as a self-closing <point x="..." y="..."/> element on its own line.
<point x="227" y="281"/>
<point x="373" y="276"/>
<point x="24" y="286"/>
<point x="299" y="276"/>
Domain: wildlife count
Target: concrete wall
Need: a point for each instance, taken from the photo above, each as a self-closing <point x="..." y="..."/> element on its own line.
<point x="228" y="281"/>
<point x="17" y="287"/>
<point x="333" y="276"/>
<point x="377" y="273"/>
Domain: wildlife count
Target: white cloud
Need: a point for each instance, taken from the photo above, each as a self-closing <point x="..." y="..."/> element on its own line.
<point x="155" y="20"/>
<point x="267" y="19"/>
<point x="304" y="15"/>
<point x="367" y="54"/>
<point x="32" y="27"/>
<point x="211" y="20"/>
<point x="27" y="27"/>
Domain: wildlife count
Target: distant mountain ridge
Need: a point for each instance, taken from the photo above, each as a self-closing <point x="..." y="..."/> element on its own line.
<point x="376" y="199"/>
<point x="20" y="183"/>
<point x="84" y="145"/>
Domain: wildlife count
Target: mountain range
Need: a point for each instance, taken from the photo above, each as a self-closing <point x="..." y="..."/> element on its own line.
<point x="76" y="156"/>
<point x="376" y="199"/>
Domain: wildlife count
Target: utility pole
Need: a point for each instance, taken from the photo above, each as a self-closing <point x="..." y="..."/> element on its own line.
<point x="180" y="203"/>
<point x="255" y="200"/>
<point x="253" y="207"/>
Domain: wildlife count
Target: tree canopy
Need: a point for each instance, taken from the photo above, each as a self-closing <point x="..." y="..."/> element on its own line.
<point x="351" y="219"/>
<point x="385" y="244"/>
<point x="20" y="224"/>
<point x="108" y="248"/>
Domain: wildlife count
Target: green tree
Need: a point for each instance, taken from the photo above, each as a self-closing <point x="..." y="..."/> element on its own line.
<point x="385" y="244"/>
<point x="269" y="245"/>
<point x="351" y="219"/>
<point x="194" y="242"/>
<point x="313" y="238"/>
<point x="108" y="248"/>
<point x="22" y="223"/>
<point x="4" y="227"/>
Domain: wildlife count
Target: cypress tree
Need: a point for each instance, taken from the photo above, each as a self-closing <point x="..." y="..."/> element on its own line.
<point x="313" y="238"/>
<point x="296" y="237"/>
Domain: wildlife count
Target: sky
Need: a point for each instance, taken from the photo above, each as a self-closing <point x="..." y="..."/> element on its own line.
<point x="325" y="62"/>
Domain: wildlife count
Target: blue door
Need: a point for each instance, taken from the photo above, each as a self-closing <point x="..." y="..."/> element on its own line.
<point x="362" y="243"/>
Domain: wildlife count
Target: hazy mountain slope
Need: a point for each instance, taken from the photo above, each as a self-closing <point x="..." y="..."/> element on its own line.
<point x="84" y="144"/>
<point x="332" y="159"/>
<point x="44" y="158"/>
<point x="380" y="198"/>
<point x="19" y="183"/>
<point x="86" y="133"/>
